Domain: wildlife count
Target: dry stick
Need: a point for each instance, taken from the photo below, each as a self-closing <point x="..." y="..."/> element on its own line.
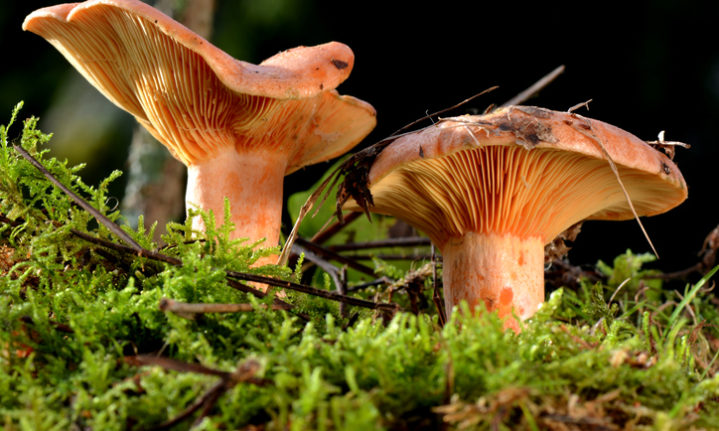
<point x="437" y="296"/>
<point x="442" y="111"/>
<point x="306" y="208"/>
<point x="313" y="291"/>
<point x="126" y="249"/>
<point x="174" y="365"/>
<point x="167" y="259"/>
<point x="388" y="256"/>
<point x="536" y="87"/>
<point x="244" y="374"/>
<point x="330" y="254"/>
<point x="326" y="266"/>
<point x="185" y="309"/>
<point x="408" y="241"/>
<point x="382" y="280"/>
<point x="323" y="235"/>
<point x="211" y="395"/>
<point x="80" y="202"/>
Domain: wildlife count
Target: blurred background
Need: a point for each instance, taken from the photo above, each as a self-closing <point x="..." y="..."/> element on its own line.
<point x="647" y="66"/>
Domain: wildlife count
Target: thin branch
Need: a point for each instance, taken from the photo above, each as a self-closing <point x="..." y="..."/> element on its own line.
<point x="114" y="228"/>
<point x="245" y="373"/>
<point x="389" y="256"/>
<point x="331" y="254"/>
<point x="142" y="252"/>
<point x="535" y="88"/>
<point x="409" y="241"/>
<point x="313" y="291"/>
<point x="174" y="365"/>
<point x="382" y="280"/>
<point x="436" y="295"/>
<point x="326" y="266"/>
<point x="187" y="310"/>
<point x="442" y="111"/>
<point x="322" y="236"/>
<point x="212" y="394"/>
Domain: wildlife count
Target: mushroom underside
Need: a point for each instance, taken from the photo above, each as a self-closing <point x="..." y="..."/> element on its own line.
<point x="180" y="100"/>
<point x="511" y="190"/>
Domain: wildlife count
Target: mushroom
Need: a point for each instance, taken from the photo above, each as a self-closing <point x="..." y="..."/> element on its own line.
<point x="238" y="127"/>
<point x="492" y="190"/>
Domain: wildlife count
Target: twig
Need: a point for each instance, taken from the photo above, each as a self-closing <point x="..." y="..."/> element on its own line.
<point x="535" y="88"/>
<point x="389" y="256"/>
<point x="331" y="254"/>
<point x="326" y="266"/>
<point x="442" y="111"/>
<point x="584" y="104"/>
<point x="327" y="184"/>
<point x="167" y="259"/>
<point x="382" y="280"/>
<point x="322" y="236"/>
<point x="437" y="296"/>
<point x="313" y="291"/>
<point x="126" y="249"/>
<point x="392" y="242"/>
<point x="184" y="309"/>
<point x="114" y="228"/>
<point x="211" y="395"/>
<point x="245" y="373"/>
<point x="174" y="365"/>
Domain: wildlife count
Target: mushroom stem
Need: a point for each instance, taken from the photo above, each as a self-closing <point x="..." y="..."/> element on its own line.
<point x="252" y="181"/>
<point x="504" y="271"/>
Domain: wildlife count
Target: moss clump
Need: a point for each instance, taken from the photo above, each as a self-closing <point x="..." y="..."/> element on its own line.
<point x="79" y="318"/>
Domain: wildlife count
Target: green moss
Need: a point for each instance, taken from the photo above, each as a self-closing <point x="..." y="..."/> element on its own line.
<point x="72" y="311"/>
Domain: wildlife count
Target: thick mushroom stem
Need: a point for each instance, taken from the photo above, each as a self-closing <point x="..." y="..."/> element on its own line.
<point x="504" y="271"/>
<point x="252" y="181"/>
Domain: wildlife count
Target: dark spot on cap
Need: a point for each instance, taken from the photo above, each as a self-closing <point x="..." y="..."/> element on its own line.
<point x="528" y="131"/>
<point x="666" y="168"/>
<point x="585" y="126"/>
<point x="155" y="21"/>
<point x="322" y="86"/>
<point x="421" y="152"/>
<point x="568" y="122"/>
<point x="339" y="64"/>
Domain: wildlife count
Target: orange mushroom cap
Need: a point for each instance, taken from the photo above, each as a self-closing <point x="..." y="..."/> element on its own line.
<point x="492" y="190"/>
<point x="194" y="98"/>
<point x="238" y="127"/>
<point x="521" y="170"/>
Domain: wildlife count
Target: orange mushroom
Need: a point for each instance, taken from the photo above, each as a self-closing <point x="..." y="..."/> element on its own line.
<point x="492" y="190"/>
<point x="238" y="127"/>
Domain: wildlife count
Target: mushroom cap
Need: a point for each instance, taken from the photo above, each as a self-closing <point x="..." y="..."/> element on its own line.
<point x="195" y="98"/>
<point x="519" y="170"/>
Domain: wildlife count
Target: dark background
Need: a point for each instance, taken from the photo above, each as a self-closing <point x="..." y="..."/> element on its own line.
<point x="647" y="66"/>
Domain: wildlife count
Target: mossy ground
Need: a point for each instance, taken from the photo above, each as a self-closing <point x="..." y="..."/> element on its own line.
<point x="81" y="335"/>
